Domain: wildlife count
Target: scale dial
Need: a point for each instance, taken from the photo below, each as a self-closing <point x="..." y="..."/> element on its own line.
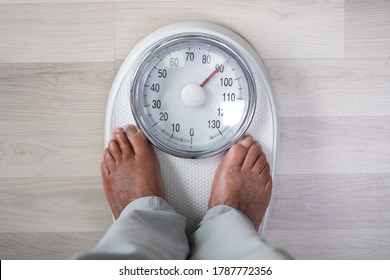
<point x="193" y="96"/>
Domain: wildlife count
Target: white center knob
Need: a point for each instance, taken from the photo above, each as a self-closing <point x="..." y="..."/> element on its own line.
<point x="193" y="95"/>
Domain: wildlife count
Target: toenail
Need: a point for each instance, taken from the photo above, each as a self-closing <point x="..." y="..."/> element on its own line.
<point x="131" y="130"/>
<point x="246" y="141"/>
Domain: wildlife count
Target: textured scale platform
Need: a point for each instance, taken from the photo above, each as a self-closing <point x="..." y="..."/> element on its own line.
<point x="187" y="182"/>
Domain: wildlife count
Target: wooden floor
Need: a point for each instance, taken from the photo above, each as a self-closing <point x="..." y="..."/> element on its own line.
<point x="330" y="67"/>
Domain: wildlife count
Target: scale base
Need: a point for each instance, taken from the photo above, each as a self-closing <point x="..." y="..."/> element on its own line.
<point x="187" y="182"/>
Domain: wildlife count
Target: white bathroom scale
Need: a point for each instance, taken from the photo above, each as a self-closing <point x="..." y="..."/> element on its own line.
<point x="193" y="89"/>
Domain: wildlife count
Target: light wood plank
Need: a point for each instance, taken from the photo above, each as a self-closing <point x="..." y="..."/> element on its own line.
<point x="331" y="201"/>
<point x="367" y="28"/>
<point x="51" y="1"/>
<point x="57" y="88"/>
<point x="51" y="154"/>
<point x="331" y="195"/>
<point x="332" y="216"/>
<point x="53" y="205"/>
<point x="292" y="29"/>
<point x="327" y="67"/>
<point x="332" y="244"/>
<point x="56" y="33"/>
<point x="53" y="118"/>
<point x="331" y="87"/>
<point x="45" y="245"/>
<point x="334" y="145"/>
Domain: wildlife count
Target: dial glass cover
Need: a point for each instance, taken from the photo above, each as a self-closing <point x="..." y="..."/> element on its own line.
<point x="193" y="96"/>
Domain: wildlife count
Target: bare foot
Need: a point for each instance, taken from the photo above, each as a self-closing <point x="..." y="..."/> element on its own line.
<point x="243" y="181"/>
<point x="130" y="169"/>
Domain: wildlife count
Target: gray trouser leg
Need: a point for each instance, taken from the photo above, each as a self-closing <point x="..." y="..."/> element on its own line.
<point x="148" y="228"/>
<point x="226" y="233"/>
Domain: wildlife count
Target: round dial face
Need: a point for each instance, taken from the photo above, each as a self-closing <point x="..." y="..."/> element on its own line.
<point x="193" y="96"/>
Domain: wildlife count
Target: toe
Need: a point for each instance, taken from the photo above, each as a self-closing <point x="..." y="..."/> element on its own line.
<point x="130" y="130"/>
<point x="260" y="164"/>
<point x="268" y="186"/>
<point x="237" y="153"/>
<point x="252" y="155"/>
<point x="108" y="160"/>
<point x="266" y="172"/>
<point x="104" y="169"/>
<point x="114" y="149"/>
<point x="246" y="141"/>
<point x="123" y="141"/>
<point x="138" y="141"/>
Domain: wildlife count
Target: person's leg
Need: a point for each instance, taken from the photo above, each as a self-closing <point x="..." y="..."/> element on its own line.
<point x="239" y="198"/>
<point x="146" y="227"/>
<point x="243" y="181"/>
<point x="130" y="169"/>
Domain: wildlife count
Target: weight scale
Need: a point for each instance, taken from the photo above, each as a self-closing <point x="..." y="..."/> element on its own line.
<point x="194" y="88"/>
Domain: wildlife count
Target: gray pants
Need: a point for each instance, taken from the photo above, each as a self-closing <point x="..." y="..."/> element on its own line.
<point x="149" y="228"/>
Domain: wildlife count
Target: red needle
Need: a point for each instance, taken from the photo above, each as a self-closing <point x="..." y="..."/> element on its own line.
<point x="209" y="78"/>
